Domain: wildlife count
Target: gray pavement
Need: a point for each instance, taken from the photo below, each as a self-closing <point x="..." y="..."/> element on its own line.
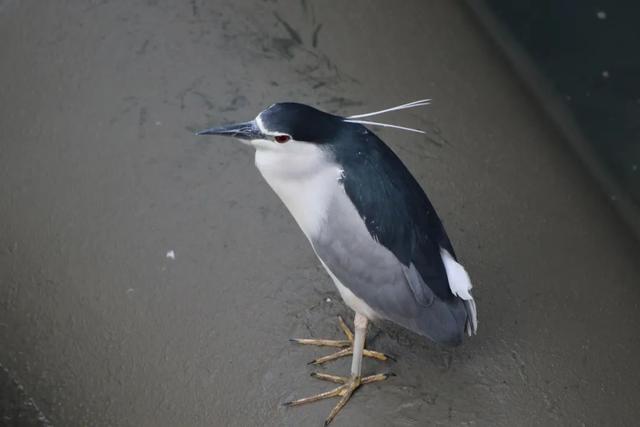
<point x="101" y="177"/>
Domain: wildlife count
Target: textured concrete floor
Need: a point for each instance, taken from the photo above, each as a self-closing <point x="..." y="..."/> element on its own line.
<point x="100" y="177"/>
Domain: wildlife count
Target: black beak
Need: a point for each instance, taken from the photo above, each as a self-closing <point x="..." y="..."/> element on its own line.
<point x="246" y="130"/>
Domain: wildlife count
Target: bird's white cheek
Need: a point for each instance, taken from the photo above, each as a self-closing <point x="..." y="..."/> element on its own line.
<point x="261" y="143"/>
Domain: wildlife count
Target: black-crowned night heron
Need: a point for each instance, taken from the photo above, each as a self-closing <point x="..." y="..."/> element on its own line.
<point x="370" y="224"/>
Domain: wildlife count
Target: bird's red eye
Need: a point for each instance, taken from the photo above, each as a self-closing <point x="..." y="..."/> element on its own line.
<point x="281" y="139"/>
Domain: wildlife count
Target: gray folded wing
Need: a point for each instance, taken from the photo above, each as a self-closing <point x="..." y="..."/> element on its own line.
<point x="393" y="290"/>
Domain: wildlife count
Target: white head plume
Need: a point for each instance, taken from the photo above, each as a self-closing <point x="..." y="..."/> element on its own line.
<point x="356" y="118"/>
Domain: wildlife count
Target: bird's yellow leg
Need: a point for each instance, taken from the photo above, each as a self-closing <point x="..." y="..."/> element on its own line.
<point x="345" y="345"/>
<point x="347" y="384"/>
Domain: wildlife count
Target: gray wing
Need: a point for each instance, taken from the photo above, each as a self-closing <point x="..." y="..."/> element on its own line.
<point x="393" y="290"/>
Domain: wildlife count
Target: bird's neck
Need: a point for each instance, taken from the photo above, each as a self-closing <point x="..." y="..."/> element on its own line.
<point x="305" y="179"/>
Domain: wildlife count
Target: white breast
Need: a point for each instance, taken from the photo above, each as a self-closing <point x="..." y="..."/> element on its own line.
<point x="303" y="176"/>
<point x="308" y="181"/>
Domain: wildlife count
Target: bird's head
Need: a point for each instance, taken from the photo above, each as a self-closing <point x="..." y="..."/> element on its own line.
<point x="283" y="124"/>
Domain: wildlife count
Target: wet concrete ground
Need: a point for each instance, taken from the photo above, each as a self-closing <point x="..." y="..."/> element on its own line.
<point x="101" y="178"/>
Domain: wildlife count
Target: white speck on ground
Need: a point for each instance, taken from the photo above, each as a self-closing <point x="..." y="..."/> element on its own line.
<point x="601" y="14"/>
<point x="171" y="254"/>
<point x="605" y="74"/>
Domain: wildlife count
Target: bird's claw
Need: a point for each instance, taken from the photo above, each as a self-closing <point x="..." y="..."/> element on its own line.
<point x="347" y="386"/>
<point x="345" y="345"/>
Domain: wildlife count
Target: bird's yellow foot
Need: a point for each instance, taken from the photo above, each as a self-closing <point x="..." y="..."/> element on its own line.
<point x="347" y="386"/>
<point x="345" y="345"/>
